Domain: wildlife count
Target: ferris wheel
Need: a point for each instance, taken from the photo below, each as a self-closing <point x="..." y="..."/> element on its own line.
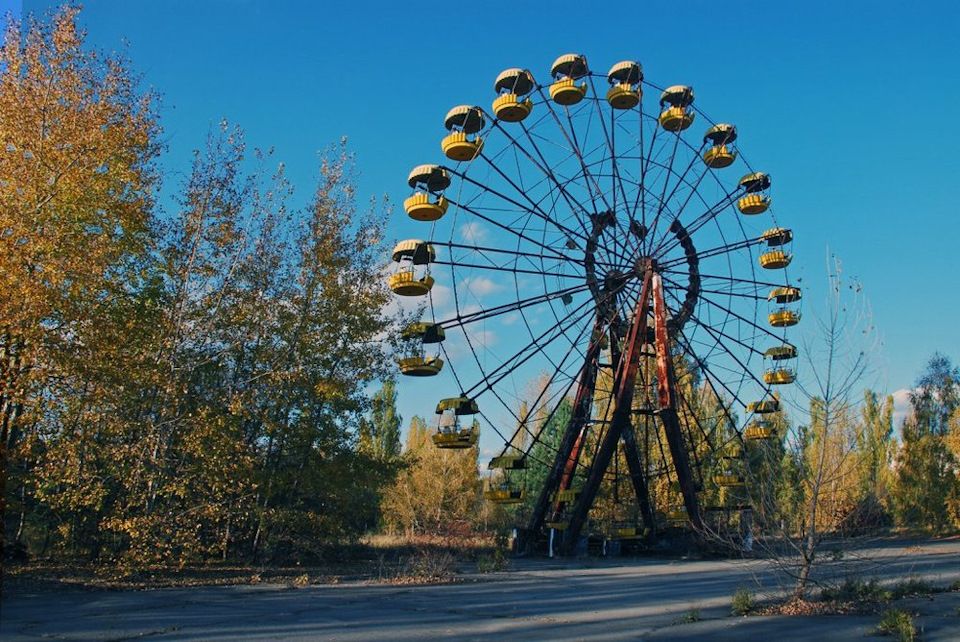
<point x="605" y="232"/>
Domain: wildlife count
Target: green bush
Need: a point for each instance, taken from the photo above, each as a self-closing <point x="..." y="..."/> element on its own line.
<point x="898" y="624"/>
<point x="491" y="563"/>
<point x="742" y="602"/>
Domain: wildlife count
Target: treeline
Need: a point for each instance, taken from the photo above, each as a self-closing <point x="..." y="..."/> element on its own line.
<point x="847" y="469"/>
<point x="174" y="385"/>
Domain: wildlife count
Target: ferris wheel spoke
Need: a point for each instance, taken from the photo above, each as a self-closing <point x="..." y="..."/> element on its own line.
<point x="498" y="250"/>
<point x="699" y="322"/>
<point x="548" y="174"/>
<point x="745" y="369"/>
<point x="716" y="335"/>
<point x="533" y="208"/>
<point x="506" y="268"/>
<point x="645" y="161"/>
<point x="512" y="230"/>
<point x="731" y="279"/>
<point x="552" y="402"/>
<point x="749" y="322"/>
<point x="685" y="419"/>
<point x="651" y="235"/>
<point x="711" y="376"/>
<point x="513" y="306"/>
<point x="571" y="139"/>
<point x="714" y="251"/>
<point x="522" y="422"/>
<point x="616" y="182"/>
<point x="538" y="344"/>
<point x="709" y="215"/>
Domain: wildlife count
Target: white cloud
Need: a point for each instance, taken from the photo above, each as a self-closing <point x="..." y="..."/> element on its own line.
<point x="902" y="409"/>
<point x="441" y="297"/>
<point x="483" y="338"/>
<point x="479" y="286"/>
<point x="473" y="232"/>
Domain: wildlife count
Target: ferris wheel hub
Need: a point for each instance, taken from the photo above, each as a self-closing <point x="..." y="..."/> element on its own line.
<point x="645" y="264"/>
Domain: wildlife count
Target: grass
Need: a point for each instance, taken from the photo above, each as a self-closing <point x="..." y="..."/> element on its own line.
<point x="855" y="589"/>
<point x="693" y="615"/>
<point x="913" y="587"/>
<point x="384" y="558"/>
<point x="742" y="601"/>
<point x="492" y="562"/>
<point x="899" y="624"/>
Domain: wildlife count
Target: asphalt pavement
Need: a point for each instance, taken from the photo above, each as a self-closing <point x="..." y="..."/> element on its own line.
<point x="569" y="599"/>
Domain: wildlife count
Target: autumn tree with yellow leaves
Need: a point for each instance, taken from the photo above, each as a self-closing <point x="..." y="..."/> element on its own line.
<point x="180" y="387"/>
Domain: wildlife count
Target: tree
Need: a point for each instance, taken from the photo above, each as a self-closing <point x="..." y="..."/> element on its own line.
<point x="875" y="450"/>
<point x="438" y="488"/>
<point x="822" y="458"/>
<point x="380" y="432"/>
<point x="78" y="165"/>
<point x="927" y="482"/>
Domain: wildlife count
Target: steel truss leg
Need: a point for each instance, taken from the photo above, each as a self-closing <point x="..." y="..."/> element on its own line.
<point x="624" y="384"/>
<point x="667" y="385"/>
<point x="560" y="474"/>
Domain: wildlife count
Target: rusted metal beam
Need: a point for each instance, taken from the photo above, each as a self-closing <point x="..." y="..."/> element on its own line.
<point x="568" y="451"/>
<point x="666" y="389"/>
<point x="624" y="384"/>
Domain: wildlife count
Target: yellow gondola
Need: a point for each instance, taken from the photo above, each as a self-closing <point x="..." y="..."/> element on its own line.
<point x="787" y="294"/>
<point x="677" y="516"/>
<point x="461" y="438"/>
<point x="756" y="201"/>
<point x="679" y="115"/>
<point x="775" y="259"/>
<point x="759" y="430"/>
<point x="778" y="373"/>
<point x="624" y="78"/>
<point x="569" y="495"/>
<point x="763" y="407"/>
<point x="566" y="71"/>
<point x="783" y="318"/>
<point x="777" y="236"/>
<point x="427" y="179"/>
<point x="505" y="495"/>
<point x="410" y="256"/>
<point x="628" y="532"/>
<point x="728" y="480"/>
<point x="449" y="433"/>
<point x="463" y="122"/>
<point x="779" y="376"/>
<point x="416" y="363"/>
<point x="512" y="85"/>
<point x="420" y="366"/>
<point x="508" y="462"/>
<point x="780" y="353"/>
<point x="722" y="153"/>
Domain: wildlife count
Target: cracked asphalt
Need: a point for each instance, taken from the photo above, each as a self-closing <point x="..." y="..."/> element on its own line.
<point x="591" y="599"/>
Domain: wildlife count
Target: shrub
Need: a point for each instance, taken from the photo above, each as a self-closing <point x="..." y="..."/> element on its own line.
<point x="898" y="624"/>
<point x="693" y="615"/>
<point x="912" y="587"/>
<point x="742" y="602"/>
<point x="854" y="589"/>
<point x="491" y="563"/>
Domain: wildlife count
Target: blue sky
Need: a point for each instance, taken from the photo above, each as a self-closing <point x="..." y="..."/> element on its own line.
<point x="847" y="105"/>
